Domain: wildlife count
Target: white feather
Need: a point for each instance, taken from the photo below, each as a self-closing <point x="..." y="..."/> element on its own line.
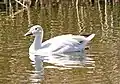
<point x="58" y="44"/>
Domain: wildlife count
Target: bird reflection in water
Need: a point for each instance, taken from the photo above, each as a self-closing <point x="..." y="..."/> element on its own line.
<point x="59" y="61"/>
<point x="37" y="75"/>
<point x="68" y="60"/>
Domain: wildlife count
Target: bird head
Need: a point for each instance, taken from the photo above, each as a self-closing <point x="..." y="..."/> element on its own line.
<point x="34" y="30"/>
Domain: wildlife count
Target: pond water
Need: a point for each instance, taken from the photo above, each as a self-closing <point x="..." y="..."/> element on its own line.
<point x="99" y="64"/>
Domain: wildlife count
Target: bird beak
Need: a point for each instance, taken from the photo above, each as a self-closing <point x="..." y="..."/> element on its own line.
<point x="28" y="33"/>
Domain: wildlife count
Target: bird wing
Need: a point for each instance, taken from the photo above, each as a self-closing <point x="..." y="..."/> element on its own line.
<point x="64" y="43"/>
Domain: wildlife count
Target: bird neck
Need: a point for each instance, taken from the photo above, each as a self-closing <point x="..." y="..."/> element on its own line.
<point x="37" y="42"/>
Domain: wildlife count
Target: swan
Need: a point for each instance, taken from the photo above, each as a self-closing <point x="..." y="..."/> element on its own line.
<point x="59" y="44"/>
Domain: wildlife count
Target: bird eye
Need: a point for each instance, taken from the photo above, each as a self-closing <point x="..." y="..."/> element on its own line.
<point x="35" y="28"/>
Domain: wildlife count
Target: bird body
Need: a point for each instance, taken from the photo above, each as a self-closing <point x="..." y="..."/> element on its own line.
<point x="56" y="45"/>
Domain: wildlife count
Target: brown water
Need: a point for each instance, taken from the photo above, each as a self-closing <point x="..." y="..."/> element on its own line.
<point x="100" y="64"/>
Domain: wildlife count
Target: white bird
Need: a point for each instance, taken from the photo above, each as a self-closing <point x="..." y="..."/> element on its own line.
<point x="56" y="45"/>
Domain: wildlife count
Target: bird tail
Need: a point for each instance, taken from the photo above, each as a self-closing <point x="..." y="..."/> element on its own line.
<point x="90" y="37"/>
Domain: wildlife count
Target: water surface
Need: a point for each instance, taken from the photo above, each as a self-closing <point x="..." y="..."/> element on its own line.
<point x="100" y="64"/>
